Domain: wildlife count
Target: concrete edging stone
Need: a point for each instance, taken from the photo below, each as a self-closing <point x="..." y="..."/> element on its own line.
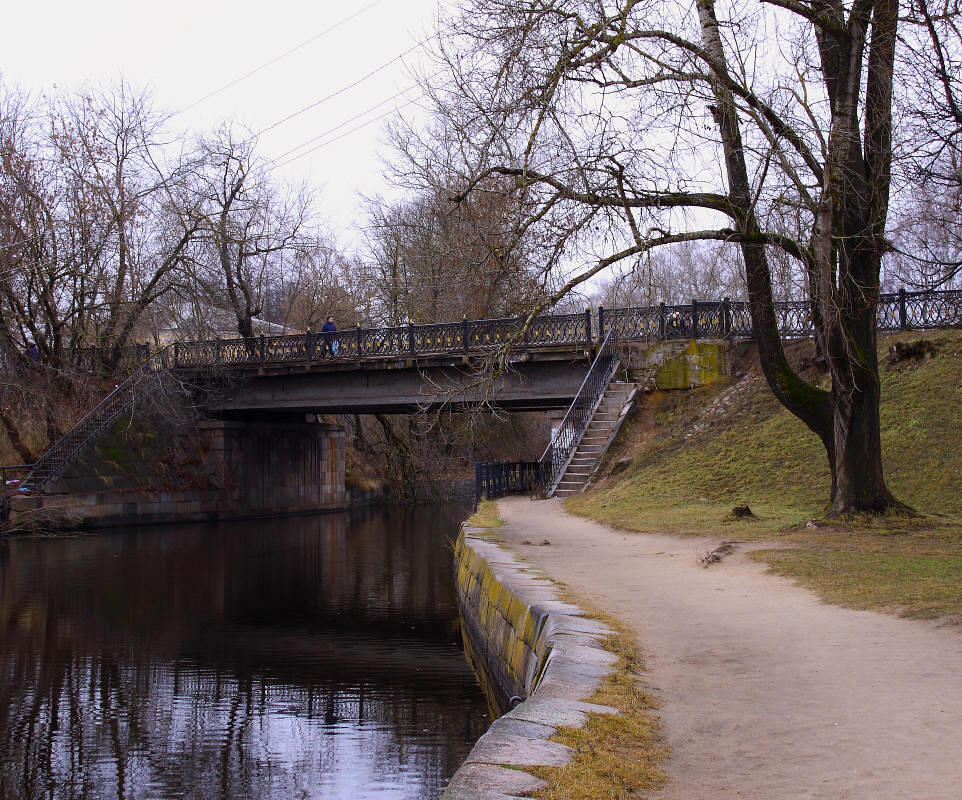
<point x="567" y="664"/>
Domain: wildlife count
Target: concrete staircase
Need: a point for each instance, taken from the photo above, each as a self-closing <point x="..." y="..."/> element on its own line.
<point x="600" y="433"/>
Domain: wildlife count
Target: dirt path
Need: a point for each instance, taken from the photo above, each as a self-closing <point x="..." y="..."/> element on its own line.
<point x="765" y="691"/>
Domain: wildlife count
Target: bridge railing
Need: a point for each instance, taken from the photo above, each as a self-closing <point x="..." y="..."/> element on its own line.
<point x="497" y="478"/>
<point x="700" y="319"/>
<point x="403" y="341"/>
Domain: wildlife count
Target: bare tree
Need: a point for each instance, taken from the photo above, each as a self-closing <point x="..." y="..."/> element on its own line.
<point x="928" y="212"/>
<point x="632" y="125"/>
<point x="250" y="224"/>
<point x="318" y="280"/>
<point x="674" y="275"/>
<point x="95" y="223"/>
<point x="430" y="259"/>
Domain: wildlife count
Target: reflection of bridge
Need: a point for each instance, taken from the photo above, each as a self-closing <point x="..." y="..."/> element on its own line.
<point x="402" y="368"/>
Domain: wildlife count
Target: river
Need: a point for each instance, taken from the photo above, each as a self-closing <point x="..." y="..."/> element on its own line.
<point x="296" y="657"/>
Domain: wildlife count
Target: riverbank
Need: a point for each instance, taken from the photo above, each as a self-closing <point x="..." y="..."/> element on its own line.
<point x="764" y="691"/>
<point x="731" y="461"/>
<point x="572" y="720"/>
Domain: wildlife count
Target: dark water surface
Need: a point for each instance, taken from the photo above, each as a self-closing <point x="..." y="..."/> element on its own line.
<point x="304" y="657"/>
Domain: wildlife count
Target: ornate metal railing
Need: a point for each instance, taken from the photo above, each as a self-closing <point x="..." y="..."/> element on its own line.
<point x="404" y="341"/>
<point x="700" y="319"/>
<point x="496" y="479"/>
<point x="554" y="460"/>
<point x="896" y="311"/>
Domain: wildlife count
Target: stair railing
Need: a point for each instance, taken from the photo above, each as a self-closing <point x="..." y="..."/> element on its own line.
<point x="96" y="421"/>
<point x="558" y="454"/>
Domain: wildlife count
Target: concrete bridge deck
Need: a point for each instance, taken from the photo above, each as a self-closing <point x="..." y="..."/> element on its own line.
<point x="540" y="379"/>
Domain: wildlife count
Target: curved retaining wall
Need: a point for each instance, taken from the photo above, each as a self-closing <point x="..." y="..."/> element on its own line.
<point x="527" y="644"/>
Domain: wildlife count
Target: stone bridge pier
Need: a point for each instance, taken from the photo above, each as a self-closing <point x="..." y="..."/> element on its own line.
<point x="276" y="467"/>
<point x="134" y="475"/>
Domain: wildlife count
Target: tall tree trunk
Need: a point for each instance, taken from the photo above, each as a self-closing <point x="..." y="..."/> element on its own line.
<point x="846" y="419"/>
<point x="858" y="482"/>
<point x="852" y="242"/>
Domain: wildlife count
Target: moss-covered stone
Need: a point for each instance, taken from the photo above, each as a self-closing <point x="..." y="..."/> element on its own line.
<point x="678" y="366"/>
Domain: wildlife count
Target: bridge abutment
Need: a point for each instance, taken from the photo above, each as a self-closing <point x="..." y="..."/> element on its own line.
<point x="222" y="470"/>
<point x="277" y="467"/>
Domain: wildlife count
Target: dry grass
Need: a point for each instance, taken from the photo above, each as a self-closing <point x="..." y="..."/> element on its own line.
<point x="617" y="756"/>
<point x="689" y="458"/>
<point x="486" y="516"/>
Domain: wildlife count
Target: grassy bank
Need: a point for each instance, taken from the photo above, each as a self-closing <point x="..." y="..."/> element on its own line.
<point x="687" y="459"/>
<point x="486" y="516"/>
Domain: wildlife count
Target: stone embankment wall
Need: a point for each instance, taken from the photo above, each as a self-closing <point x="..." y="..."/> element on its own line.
<point x="528" y="646"/>
<point x="241" y="470"/>
<point x="682" y="364"/>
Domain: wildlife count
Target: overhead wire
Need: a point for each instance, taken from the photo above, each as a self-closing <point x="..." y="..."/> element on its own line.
<point x="280" y="57"/>
<point x="282" y="158"/>
<point x="338" y="92"/>
<point x="387" y="113"/>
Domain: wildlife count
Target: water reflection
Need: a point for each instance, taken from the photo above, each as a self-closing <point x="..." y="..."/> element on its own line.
<point x="303" y="657"/>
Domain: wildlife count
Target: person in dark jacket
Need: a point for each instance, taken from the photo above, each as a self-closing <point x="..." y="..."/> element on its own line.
<point x="330" y="341"/>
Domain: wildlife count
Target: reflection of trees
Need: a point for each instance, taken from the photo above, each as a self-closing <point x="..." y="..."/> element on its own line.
<point x="160" y="664"/>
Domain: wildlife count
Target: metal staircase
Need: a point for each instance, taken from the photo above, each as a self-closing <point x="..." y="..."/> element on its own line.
<point x="598" y="436"/>
<point x="598" y="397"/>
<point x="138" y="385"/>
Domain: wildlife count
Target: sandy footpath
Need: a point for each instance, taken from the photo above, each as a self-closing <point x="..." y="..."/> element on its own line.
<point x="765" y="691"/>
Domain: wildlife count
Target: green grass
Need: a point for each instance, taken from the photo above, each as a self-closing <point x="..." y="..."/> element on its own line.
<point x="916" y="586"/>
<point x="677" y="477"/>
<point x="486" y="516"/>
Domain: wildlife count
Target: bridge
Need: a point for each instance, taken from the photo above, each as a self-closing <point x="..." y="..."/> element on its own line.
<point x="398" y="370"/>
<point x="409" y="367"/>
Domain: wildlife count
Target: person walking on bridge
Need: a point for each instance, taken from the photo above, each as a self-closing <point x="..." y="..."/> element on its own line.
<point x="330" y="340"/>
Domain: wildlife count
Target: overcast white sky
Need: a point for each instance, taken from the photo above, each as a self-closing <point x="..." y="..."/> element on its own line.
<point x="184" y="50"/>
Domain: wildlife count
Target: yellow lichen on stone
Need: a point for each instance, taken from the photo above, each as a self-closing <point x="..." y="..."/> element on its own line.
<point x="682" y="367"/>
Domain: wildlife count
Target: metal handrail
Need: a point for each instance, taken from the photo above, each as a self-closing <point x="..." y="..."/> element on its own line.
<point x="97" y="420"/>
<point x="558" y="453"/>
<point x="497" y="478"/>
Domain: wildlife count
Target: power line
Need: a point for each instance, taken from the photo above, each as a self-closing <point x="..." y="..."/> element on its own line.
<point x="340" y="125"/>
<point x="349" y="132"/>
<point x="23" y="242"/>
<point x="283" y="55"/>
<point x="343" y="89"/>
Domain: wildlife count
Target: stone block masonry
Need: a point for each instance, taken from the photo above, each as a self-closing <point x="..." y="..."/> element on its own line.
<point x="682" y="364"/>
<point x="248" y="469"/>
<point x="538" y="659"/>
<point x="273" y="466"/>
